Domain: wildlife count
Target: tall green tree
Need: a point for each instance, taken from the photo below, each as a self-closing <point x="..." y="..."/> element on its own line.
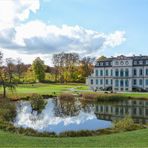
<point x="7" y="79"/>
<point x="39" y="69"/>
<point x="86" y="67"/>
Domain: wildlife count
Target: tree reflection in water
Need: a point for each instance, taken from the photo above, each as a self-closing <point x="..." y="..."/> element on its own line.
<point x="87" y="106"/>
<point x="64" y="107"/>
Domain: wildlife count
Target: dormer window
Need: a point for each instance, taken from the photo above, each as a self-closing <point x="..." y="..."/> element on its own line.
<point x="121" y="62"/>
<point x="140" y="62"/>
<point x="135" y="62"/>
<point x="116" y="63"/>
<point x="101" y="63"/>
<point x="126" y="62"/>
<point x="107" y="63"/>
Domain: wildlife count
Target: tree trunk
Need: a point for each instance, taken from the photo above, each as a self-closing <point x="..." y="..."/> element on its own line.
<point x="4" y="91"/>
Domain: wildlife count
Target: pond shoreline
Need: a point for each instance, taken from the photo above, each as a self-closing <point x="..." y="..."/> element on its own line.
<point x="88" y="97"/>
<point x="81" y="133"/>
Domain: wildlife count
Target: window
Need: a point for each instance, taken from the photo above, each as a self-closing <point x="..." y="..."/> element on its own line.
<point x="135" y="62"/>
<point x="116" y="63"/>
<point x="101" y="108"/>
<point x="146" y="61"/>
<point x="146" y="112"/>
<point x="101" y="81"/>
<point x="96" y="72"/>
<point x="106" y="72"/>
<point x="140" y="111"/>
<point x="106" y="108"/>
<point x="134" y="111"/>
<point x="116" y="83"/>
<point x="106" y="81"/>
<point x="101" y="63"/>
<point x="126" y="83"/>
<point x="146" y="72"/>
<point x="146" y="81"/>
<point x="111" y="81"/>
<point x="121" y="111"/>
<point x="92" y="81"/>
<point x="140" y="82"/>
<point x="135" y="82"/>
<point x="121" y="83"/>
<point x="107" y="63"/>
<point x="122" y="63"/>
<point x="140" y="72"/>
<point x="111" y="72"/>
<point x="101" y="72"/>
<point x="116" y="73"/>
<point x="117" y="110"/>
<point x="126" y="72"/>
<point x="126" y="62"/>
<point x="135" y="72"/>
<point x="96" y="81"/>
<point x="140" y="62"/>
<point x="121" y="73"/>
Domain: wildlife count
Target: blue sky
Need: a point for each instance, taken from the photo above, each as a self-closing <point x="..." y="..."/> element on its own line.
<point x="102" y="16"/>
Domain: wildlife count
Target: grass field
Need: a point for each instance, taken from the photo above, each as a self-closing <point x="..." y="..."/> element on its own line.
<point x="23" y="90"/>
<point x="137" y="138"/>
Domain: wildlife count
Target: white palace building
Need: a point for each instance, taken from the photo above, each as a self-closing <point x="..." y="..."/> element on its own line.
<point x="120" y="73"/>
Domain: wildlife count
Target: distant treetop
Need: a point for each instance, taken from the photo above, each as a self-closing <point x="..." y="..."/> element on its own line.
<point x="101" y="58"/>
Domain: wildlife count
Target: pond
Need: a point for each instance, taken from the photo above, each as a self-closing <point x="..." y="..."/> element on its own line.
<point x="60" y="115"/>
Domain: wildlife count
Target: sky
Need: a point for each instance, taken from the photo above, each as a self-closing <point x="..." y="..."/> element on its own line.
<point x="41" y="28"/>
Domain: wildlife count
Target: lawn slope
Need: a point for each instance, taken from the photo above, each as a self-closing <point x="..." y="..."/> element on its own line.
<point x="137" y="138"/>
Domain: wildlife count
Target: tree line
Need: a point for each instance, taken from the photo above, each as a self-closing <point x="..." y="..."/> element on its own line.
<point x="67" y="68"/>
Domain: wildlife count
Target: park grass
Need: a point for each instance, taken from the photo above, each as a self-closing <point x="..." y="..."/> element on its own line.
<point x="23" y="90"/>
<point x="138" y="138"/>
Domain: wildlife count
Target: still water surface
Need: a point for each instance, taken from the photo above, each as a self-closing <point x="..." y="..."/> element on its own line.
<point x="60" y="115"/>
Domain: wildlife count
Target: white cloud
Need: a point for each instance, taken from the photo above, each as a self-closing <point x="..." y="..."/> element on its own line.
<point x="26" y="58"/>
<point x="14" y="11"/>
<point x="39" y="38"/>
<point x="115" y="39"/>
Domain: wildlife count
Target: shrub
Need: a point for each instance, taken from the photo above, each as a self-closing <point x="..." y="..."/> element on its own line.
<point x="89" y="96"/>
<point x="6" y="126"/>
<point x="126" y="123"/>
<point x="103" y="97"/>
<point x="66" y="96"/>
<point x="37" y="102"/>
<point x="7" y="110"/>
<point x="81" y="133"/>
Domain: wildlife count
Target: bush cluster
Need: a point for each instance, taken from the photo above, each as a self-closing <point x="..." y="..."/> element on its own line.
<point x="6" y="126"/>
<point x="126" y="124"/>
<point x="37" y="102"/>
<point x="7" y="110"/>
<point x="66" y="96"/>
<point x="103" y="97"/>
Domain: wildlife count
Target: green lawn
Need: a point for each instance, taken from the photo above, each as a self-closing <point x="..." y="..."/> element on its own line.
<point x="27" y="89"/>
<point x="137" y="138"/>
<point x="137" y="95"/>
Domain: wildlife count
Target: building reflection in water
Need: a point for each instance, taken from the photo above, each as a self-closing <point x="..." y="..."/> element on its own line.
<point x="137" y="109"/>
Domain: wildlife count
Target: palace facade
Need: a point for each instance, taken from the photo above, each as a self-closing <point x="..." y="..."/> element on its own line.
<point x="120" y="73"/>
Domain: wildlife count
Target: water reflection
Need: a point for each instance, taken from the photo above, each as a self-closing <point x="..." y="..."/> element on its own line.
<point x="59" y="116"/>
<point x="137" y="109"/>
<point x="62" y="115"/>
<point x="64" y="108"/>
